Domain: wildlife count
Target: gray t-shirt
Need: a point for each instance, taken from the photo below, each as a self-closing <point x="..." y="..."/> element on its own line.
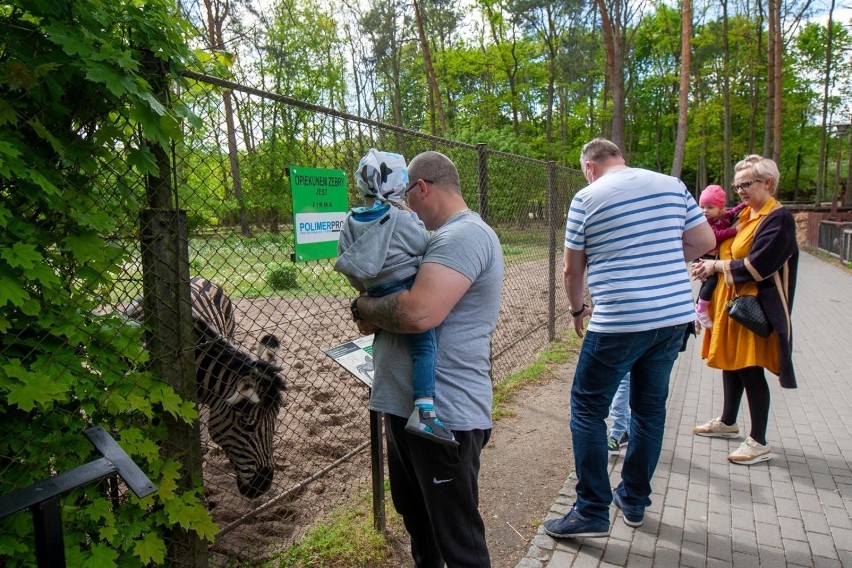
<point x="463" y="391"/>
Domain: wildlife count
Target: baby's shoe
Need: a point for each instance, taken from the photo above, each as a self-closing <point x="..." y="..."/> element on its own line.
<point x="701" y="313"/>
<point x="425" y="423"/>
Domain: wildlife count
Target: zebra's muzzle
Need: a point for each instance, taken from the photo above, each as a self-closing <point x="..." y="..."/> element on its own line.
<point x="257" y="485"/>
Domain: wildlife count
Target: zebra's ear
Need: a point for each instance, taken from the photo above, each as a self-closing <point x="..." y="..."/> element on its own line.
<point x="270" y="383"/>
<point x="268" y="348"/>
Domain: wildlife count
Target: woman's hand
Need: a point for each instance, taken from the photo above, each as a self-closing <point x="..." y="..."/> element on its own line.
<point x="703" y="269"/>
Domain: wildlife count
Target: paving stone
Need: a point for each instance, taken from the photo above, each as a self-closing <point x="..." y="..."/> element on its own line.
<point x="794" y="511"/>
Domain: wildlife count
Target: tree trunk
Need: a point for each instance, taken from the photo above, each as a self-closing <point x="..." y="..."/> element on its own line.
<point x="551" y="80"/>
<point x="683" y="93"/>
<point x="769" y="110"/>
<point x="826" y="93"/>
<point x="430" y="71"/>
<point x="234" y="161"/>
<point x="779" y="45"/>
<point x="615" y="67"/>
<point x="217" y="13"/>
<point x="726" y="95"/>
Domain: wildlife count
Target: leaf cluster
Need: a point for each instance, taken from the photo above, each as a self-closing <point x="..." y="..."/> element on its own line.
<point x="81" y="84"/>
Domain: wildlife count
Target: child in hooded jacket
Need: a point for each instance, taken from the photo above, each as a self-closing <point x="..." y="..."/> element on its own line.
<point x="380" y="249"/>
<point x="722" y="221"/>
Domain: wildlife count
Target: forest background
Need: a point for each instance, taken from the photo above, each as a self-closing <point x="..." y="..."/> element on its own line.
<point x="687" y="89"/>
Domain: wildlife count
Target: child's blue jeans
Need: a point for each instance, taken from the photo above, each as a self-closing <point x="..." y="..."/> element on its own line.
<point x="422" y="345"/>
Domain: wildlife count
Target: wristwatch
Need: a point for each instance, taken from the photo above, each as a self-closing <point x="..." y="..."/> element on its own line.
<point x="353" y="307"/>
<point x="578" y="312"/>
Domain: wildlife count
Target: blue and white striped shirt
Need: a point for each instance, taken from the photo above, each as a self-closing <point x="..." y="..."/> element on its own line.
<point x="630" y="222"/>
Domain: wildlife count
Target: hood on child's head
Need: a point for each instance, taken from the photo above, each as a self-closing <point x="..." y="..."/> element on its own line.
<point x="714" y="196"/>
<point x="382" y="175"/>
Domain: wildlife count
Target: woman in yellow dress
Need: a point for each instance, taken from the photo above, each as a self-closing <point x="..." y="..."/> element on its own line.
<point x="761" y="260"/>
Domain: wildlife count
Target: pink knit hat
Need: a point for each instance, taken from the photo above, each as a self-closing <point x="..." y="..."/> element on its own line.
<point x="714" y="196"/>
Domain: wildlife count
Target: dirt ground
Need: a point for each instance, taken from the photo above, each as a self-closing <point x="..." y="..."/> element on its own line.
<point x="324" y="421"/>
<point x="524" y="466"/>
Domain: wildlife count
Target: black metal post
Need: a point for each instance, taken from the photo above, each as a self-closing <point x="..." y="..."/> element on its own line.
<point x="378" y="466"/>
<point x="482" y="155"/>
<point x="551" y="229"/>
<point x="50" y="545"/>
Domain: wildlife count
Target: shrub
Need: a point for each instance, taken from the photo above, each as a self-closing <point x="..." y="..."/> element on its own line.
<point x="283" y="277"/>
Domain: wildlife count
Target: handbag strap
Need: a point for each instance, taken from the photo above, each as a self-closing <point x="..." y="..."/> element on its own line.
<point x="774" y="207"/>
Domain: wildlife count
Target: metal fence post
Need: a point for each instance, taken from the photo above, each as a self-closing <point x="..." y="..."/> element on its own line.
<point x="378" y="467"/>
<point x="551" y="226"/>
<point x="168" y="319"/>
<point x="482" y="155"/>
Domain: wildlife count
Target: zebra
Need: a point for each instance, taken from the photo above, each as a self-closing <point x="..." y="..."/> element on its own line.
<point x="210" y="303"/>
<point x="243" y="391"/>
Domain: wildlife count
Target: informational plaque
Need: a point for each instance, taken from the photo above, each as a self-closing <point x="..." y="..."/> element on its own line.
<point x="356" y="357"/>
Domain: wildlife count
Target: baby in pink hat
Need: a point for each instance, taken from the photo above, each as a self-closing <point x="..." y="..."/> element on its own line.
<point x="712" y="202"/>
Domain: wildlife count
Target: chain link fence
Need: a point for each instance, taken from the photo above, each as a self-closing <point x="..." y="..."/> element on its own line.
<point x="221" y="210"/>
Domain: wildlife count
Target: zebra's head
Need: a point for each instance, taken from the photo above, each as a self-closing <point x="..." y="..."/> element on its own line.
<point x="244" y="394"/>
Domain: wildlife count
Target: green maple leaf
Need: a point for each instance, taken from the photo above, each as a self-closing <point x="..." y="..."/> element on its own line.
<point x="21" y="255"/>
<point x="101" y="557"/>
<point x="191" y="515"/>
<point x="85" y="247"/>
<point x="11" y="291"/>
<point x="150" y="549"/>
<point x="30" y="389"/>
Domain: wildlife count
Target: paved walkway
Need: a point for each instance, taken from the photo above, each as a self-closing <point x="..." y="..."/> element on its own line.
<point x="795" y="510"/>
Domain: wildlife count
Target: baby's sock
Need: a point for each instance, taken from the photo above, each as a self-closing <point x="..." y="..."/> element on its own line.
<point x="425" y="402"/>
<point x="702" y="306"/>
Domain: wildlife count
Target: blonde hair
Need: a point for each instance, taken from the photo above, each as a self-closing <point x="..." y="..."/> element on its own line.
<point x="762" y="168"/>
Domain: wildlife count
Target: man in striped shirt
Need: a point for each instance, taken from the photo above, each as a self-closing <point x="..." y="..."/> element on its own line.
<point x="635" y="231"/>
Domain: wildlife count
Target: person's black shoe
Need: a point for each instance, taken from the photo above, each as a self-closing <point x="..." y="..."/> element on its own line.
<point x="632" y="517"/>
<point x="575" y="525"/>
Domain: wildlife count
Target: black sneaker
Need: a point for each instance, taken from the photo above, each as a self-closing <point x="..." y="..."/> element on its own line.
<point x="424" y="422"/>
<point x="624" y="440"/>
<point x="612" y="446"/>
<point x="575" y="525"/>
<point x="631" y="517"/>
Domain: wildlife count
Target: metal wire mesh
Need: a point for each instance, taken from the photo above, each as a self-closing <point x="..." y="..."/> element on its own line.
<point x="229" y="174"/>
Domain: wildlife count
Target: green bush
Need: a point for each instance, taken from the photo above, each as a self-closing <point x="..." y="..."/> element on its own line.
<point x="283" y="277"/>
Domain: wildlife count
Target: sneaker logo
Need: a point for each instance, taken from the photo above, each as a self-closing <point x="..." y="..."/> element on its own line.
<point x="437" y="481"/>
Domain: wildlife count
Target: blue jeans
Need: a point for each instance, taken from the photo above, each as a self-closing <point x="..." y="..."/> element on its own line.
<point x="422" y="346"/>
<point x="619" y="410"/>
<point x="604" y="360"/>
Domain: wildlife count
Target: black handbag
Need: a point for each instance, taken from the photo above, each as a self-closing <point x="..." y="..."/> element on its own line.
<point x="747" y="311"/>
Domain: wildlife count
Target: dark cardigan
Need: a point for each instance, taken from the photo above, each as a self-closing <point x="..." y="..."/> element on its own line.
<point x="773" y="262"/>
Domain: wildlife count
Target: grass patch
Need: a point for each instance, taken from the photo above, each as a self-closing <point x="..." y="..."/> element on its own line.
<point x="556" y="353"/>
<point x="346" y="538"/>
<point x="522" y="245"/>
<point x="242" y="265"/>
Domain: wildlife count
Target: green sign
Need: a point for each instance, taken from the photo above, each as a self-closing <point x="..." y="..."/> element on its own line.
<point x="320" y="205"/>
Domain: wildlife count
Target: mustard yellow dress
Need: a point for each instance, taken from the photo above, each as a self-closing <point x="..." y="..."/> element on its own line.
<point x="728" y="345"/>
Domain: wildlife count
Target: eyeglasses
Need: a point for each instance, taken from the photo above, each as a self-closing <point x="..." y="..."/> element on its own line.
<point x="744" y="185"/>
<point x="414" y="184"/>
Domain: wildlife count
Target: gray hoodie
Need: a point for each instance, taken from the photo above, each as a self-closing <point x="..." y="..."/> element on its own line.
<point x="383" y="248"/>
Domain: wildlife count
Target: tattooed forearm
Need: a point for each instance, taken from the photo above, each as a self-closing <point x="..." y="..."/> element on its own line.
<point x="387" y="312"/>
